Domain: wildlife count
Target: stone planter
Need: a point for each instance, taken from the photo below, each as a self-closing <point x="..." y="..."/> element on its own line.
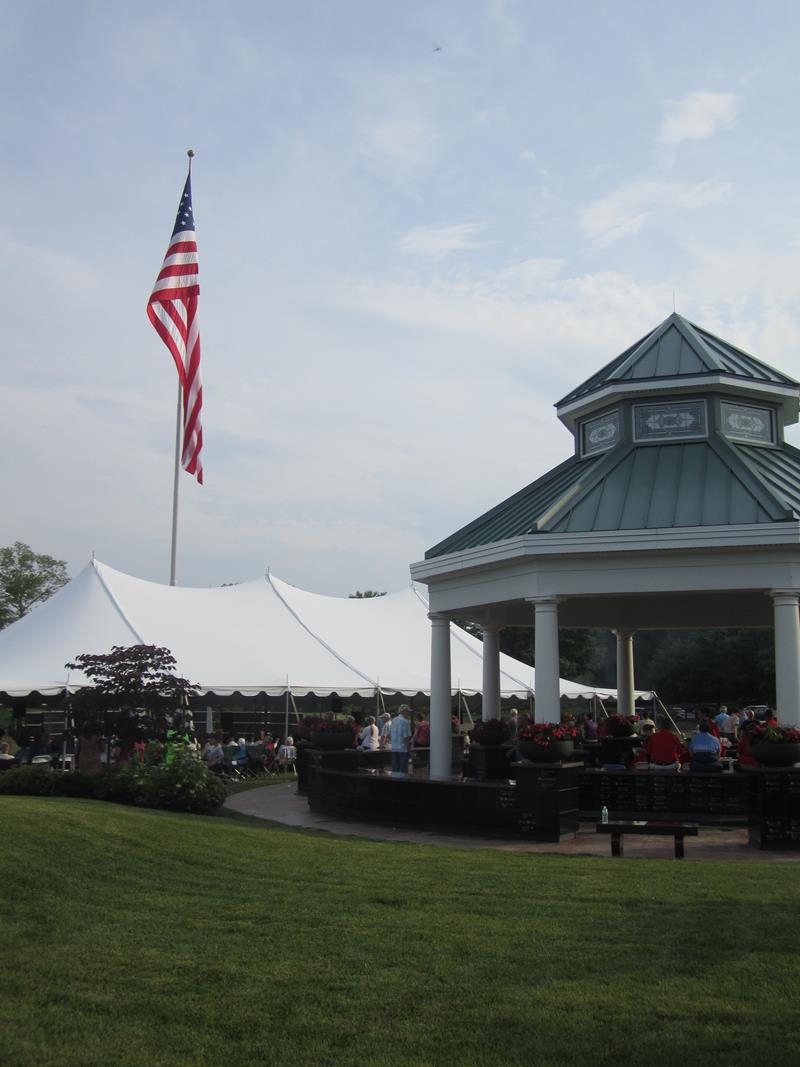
<point x="775" y="754"/>
<point x="555" y="752"/>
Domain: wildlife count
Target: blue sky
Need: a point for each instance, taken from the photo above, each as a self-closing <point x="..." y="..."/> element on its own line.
<point x="406" y="256"/>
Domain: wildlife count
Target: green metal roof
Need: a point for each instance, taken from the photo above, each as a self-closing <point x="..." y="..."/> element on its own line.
<point x="679" y="484"/>
<point x="675" y="349"/>
<point x="655" y="485"/>
<point x="779" y="470"/>
<point x="685" y="483"/>
<point x="520" y="512"/>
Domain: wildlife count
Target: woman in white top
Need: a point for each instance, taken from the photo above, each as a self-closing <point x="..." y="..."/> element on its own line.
<point x="368" y="738"/>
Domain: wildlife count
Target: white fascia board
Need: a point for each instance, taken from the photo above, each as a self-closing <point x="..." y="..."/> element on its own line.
<point x="569" y="413"/>
<point x="680" y="539"/>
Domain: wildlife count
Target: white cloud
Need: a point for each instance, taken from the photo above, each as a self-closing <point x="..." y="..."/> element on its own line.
<point x="697" y="115"/>
<point x="624" y="211"/>
<point x="438" y="241"/>
<point x="405" y="140"/>
<point x="60" y="271"/>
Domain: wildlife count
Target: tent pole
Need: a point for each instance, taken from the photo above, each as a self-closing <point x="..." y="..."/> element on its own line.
<point x="66" y="726"/>
<point x="286" y="713"/>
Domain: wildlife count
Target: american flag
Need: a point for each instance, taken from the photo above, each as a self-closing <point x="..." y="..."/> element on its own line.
<point x="172" y="309"/>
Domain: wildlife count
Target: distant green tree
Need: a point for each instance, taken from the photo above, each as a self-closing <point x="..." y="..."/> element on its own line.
<point x="713" y="667"/>
<point x="578" y="650"/>
<point x="26" y="577"/>
<point x="365" y="595"/>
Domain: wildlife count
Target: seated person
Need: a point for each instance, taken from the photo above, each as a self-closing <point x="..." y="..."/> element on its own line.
<point x="663" y="748"/>
<point x="7" y="739"/>
<point x="368" y="739"/>
<point x="240" y="755"/>
<point x="214" y="755"/>
<point x="287" y="751"/>
<point x="6" y="759"/>
<point x="704" y="749"/>
<point x="642" y="724"/>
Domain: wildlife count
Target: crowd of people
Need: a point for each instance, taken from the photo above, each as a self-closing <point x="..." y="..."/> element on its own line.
<point x="717" y="738"/>
<point x="222" y="753"/>
<point x="240" y="756"/>
<point x="406" y="735"/>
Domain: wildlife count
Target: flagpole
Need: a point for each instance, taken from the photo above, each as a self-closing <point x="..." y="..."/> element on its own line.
<point x="178" y="453"/>
<point x="176" y="480"/>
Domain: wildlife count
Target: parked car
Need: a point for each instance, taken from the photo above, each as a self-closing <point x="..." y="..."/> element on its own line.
<point x="680" y="713"/>
<point x="759" y="710"/>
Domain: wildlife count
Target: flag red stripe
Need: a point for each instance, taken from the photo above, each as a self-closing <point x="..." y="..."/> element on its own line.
<point x="172" y="309"/>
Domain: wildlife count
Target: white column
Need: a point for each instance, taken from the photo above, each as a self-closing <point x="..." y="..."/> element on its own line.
<point x="545" y="657"/>
<point x="490" y="708"/>
<point x="787" y="656"/>
<point x="441" y="698"/>
<point x="625" y="683"/>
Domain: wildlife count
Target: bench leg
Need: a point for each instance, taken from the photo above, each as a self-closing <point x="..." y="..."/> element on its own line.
<point x="678" y="846"/>
<point x="616" y="845"/>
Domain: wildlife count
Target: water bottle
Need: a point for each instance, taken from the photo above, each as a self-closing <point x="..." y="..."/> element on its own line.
<point x="604" y="815"/>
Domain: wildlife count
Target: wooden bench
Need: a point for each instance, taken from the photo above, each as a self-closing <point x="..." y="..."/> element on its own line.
<point x="678" y="830"/>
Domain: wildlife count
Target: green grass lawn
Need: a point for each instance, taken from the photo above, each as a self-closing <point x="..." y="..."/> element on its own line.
<point x="144" y="938"/>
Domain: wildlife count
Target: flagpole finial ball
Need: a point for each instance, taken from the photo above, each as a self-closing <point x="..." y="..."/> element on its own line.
<point x="190" y="153"/>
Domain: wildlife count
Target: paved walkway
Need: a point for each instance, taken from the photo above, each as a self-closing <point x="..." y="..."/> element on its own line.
<point x="282" y="804"/>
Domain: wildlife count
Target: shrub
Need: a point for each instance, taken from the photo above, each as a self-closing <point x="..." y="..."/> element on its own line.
<point x="74" y="785"/>
<point x="27" y="781"/>
<point x="184" y="784"/>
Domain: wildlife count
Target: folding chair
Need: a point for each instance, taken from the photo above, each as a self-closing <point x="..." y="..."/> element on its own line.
<point x="287" y="757"/>
<point x="231" y="764"/>
<point x="271" y="766"/>
<point x="256" y="759"/>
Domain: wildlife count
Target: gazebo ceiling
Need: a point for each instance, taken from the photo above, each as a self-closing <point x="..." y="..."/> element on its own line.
<point x="639" y="611"/>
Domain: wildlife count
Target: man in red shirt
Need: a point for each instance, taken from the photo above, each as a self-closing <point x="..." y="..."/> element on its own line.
<point x="664" y="748"/>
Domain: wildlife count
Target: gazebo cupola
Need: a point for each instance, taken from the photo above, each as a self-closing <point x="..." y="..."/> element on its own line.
<point x="680" y="507"/>
<point x="679" y="383"/>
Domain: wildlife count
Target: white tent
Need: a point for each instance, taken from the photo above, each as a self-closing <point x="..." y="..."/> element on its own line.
<point x="261" y="636"/>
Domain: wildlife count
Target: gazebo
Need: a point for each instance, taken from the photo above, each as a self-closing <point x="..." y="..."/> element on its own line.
<point x="680" y="508"/>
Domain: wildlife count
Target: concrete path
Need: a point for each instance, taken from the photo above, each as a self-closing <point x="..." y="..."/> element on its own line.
<point x="282" y="804"/>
